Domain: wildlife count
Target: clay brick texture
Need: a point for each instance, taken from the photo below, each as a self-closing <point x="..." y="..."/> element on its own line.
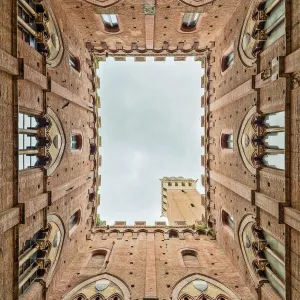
<point x="50" y="245"/>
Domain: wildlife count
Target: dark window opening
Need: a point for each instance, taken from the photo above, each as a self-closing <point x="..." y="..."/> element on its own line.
<point x="110" y="22"/>
<point x="74" y="62"/>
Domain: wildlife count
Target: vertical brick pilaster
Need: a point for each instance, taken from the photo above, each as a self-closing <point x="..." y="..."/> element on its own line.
<point x="150" y="286"/>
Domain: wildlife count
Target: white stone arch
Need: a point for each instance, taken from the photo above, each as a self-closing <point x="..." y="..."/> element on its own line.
<point x="117" y="281"/>
<point x="182" y="283"/>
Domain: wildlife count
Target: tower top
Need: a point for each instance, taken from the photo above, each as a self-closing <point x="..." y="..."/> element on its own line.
<point x="174" y="183"/>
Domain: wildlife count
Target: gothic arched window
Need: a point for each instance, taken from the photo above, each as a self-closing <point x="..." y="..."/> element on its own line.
<point x="190" y="258"/>
<point x="74" y="221"/>
<point x="110" y="22"/>
<point x="32" y="262"/>
<point x="227" y="59"/>
<point x="97" y="259"/>
<point x="74" y="62"/>
<point x="173" y="234"/>
<point x="32" y="141"/>
<point x="261" y="140"/>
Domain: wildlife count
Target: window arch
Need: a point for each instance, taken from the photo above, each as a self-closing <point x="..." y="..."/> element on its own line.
<point x="110" y="22"/>
<point x="173" y="234"/>
<point x="74" y="220"/>
<point x="41" y="141"/>
<point x="31" y="29"/>
<point x="226" y="141"/>
<point x="263" y="254"/>
<point x="79" y="297"/>
<point x="97" y="259"/>
<point x="104" y="285"/>
<point x="263" y="26"/>
<point x="74" y="62"/>
<point x="227" y="220"/>
<point x="97" y="297"/>
<point x="190" y="258"/>
<point x="227" y="59"/>
<point x="189" y="21"/>
<point x="76" y="142"/>
<point x="262" y="140"/>
<point x="56" y="237"/>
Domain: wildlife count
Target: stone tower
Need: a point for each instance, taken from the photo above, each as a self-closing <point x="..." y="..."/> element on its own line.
<point x="181" y="201"/>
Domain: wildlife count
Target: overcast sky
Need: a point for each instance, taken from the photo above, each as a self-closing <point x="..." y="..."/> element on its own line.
<point x="150" y="129"/>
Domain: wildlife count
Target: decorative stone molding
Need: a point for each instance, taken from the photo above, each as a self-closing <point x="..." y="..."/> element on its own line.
<point x="179" y="288"/>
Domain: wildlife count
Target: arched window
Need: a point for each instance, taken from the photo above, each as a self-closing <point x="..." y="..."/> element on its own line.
<point x="227" y="141"/>
<point x="76" y="142"/>
<point x="33" y="250"/>
<point x="189" y="21"/>
<point x="227" y="220"/>
<point x="272" y="141"/>
<point x="261" y="140"/>
<point x="190" y="258"/>
<point x="97" y="259"/>
<point x="173" y="234"/>
<point x="264" y="255"/>
<point x="264" y="25"/>
<point x="74" y="62"/>
<point x="30" y="141"/>
<point x="74" y="221"/>
<point x="110" y="22"/>
<point x="35" y="148"/>
<point x="227" y="60"/>
<point x="29" y="28"/>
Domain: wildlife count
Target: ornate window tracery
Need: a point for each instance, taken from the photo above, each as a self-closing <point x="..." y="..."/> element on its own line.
<point x="265" y="256"/>
<point x="41" y="141"/>
<point x="173" y="234"/>
<point x="262" y="140"/>
<point x="110" y="22"/>
<point x="76" y="142"/>
<point x="263" y="26"/>
<point x="38" y="28"/>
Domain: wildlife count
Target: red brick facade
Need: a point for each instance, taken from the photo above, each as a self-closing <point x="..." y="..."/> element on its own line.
<point x="245" y="245"/>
